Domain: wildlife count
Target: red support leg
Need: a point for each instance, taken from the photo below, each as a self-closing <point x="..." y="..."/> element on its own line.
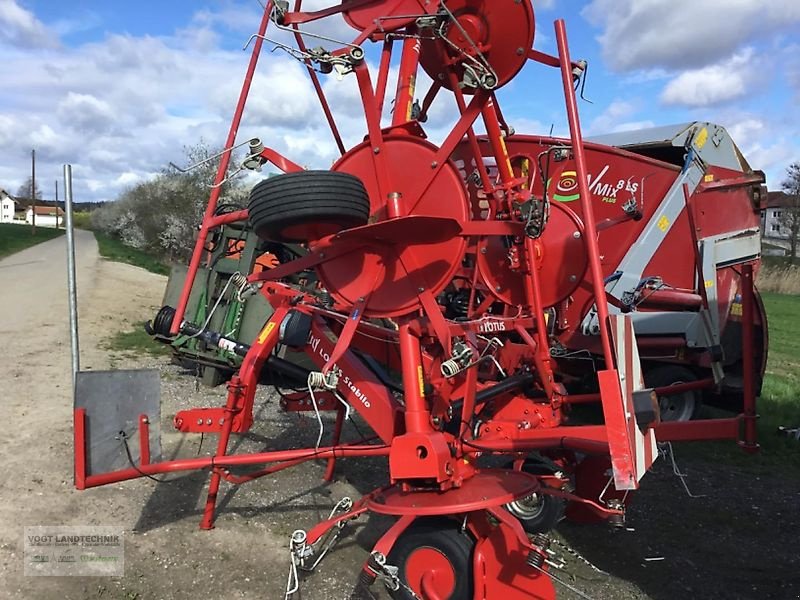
<point x="750" y="443"/>
<point x="337" y="434"/>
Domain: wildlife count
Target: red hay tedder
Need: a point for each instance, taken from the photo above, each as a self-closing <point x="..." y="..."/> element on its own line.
<point x="465" y="297"/>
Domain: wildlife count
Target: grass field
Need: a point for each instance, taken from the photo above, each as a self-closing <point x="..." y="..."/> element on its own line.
<point x="779" y="404"/>
<point x="15" y="237"/>
<point x="135" y="342"/>
<point x="113" y="249"/>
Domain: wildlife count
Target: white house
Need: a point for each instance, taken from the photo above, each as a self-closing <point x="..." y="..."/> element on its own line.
<point x="774" y="227"/>
<point x="6" y="207"/>
<point x="46" y="216"/>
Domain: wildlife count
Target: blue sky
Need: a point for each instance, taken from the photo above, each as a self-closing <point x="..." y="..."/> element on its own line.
<point x="119" y="88"/>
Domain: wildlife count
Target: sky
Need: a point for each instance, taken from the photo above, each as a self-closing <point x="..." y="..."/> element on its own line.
<point x="119" y="89"/>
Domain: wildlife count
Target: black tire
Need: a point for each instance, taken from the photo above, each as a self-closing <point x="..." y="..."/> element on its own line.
<point x="307" y="205"/>
<point x="538" y="513"/>
<point x="444" y="537"/>
<point x="683" y="406"/>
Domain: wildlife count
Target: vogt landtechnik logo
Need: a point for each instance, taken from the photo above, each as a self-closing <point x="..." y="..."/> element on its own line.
<point x="84" y="551"/>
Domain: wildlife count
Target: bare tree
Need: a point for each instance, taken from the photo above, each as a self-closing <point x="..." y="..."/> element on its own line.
<point x="790" y="214"/>
<point x="24" y="190"/>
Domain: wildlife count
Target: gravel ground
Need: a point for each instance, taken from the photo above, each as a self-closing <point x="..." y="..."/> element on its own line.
<point x="738" y="540"/>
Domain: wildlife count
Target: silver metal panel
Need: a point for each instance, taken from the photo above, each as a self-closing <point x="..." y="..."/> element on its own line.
<point x="114" y="400"/>
<point x="660" y="136"/>
<point x="737" y="247"/>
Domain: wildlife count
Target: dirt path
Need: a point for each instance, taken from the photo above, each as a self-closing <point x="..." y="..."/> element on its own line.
<point x="739" y="541"/>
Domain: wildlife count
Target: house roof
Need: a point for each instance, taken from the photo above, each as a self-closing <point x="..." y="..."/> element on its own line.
<point x="782" y="200"/>
<point x="48" y="210"/>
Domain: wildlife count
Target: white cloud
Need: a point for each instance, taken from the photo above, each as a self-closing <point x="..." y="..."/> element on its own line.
<point x="20" y="28"/>
<point x="722" y="82"/>
<point x="617" y="117"/>
<point x="683" y="33"/>
<point x="121" y="108"/>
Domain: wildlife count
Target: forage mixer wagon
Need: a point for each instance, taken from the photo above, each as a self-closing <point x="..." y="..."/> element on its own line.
<point x="464" y="297"/>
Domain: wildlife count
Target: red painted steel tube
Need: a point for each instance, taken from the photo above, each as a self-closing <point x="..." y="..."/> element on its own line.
<point x="416" y="414"/>
<point x="240" y="479"/>
<point x="196" y="464"/>
<point x="224" y="161"/>
<point x="406" y="81"/>
<point x="671" y="300"/>
<point x="383" y="74"/>
<point x="497" y="141"/>
<point x="583" y="186"/>
<point x="337" y="434"/>
<point x="662" y="391"/>
<point x="471" y="137"/>
<point x="231" y="217"/>
<point x="748" y="364"/>
<point x="79" y="447"/>
<point x="323" y="101"/>
<point x="144" y="440"/>
<point x="706" y="429"/>
<point x="452" y="140"/>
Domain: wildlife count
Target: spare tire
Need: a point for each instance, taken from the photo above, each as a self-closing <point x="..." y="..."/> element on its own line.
<point x="307" y="205"/>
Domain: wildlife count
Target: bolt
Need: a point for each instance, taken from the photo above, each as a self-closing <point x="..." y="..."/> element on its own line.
<point x="576" y="235"/>
<point x="483" y="250"/>
<point x="199" y="421"/>
<point x="322" y="255"/>
<point x="520" y="51"/>
<point x="209" y="421"/>
<point x="420" y="290"/>
<point x="434" y="164"/>
<point x="573" y="279"/>
<point x="497" y="288"/>
<point x="376" y="150"/>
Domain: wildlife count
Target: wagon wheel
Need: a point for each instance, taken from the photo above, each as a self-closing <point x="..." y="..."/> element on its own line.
<point x="538" y="512"/>
<point x="683" y="406"/>
<point x="435" y="554"/>
<point x="307" y="205"/>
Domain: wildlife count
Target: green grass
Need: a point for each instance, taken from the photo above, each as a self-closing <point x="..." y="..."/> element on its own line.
<point x="15" y="237"/>
<point x="779" y="403"/>
<point x="136" y="342"/>
<point x="113" y="249"/>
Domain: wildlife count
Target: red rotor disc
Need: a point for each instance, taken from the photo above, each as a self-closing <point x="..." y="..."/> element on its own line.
<point x="561" y="265"/>
<point x="502" y="31"/>
<point x="440" y="571"/>
<point x="364" y="17"/>
<point x="392" y="271"/>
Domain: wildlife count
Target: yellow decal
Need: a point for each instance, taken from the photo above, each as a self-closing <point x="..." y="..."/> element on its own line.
<point x="265" y="333"/>
<point x="709" y="283"/>
<point x="421" y="381"/>
<point x="412" y="86"/>
<point x="701" y="138"/>
<point x="525" y="171"/>
<point x="736" y="309"/>
<point x="505" y="153"/>
<point x="709" y="178"/>
<point x="663" y="223"/>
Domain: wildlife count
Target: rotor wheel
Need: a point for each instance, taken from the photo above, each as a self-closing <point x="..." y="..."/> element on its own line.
<point x="433" y="557"/>
<point x="307" y="206"/>
<point x="537" y="512"/>
<point x="683" y="406"/>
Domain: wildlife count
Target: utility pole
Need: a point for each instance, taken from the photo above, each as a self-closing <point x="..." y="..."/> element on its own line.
<point x="56" y="203"/>
<point x="33" y="192"/>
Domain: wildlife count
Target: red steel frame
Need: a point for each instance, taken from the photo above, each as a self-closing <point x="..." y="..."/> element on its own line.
<point x="406" y="432"/>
